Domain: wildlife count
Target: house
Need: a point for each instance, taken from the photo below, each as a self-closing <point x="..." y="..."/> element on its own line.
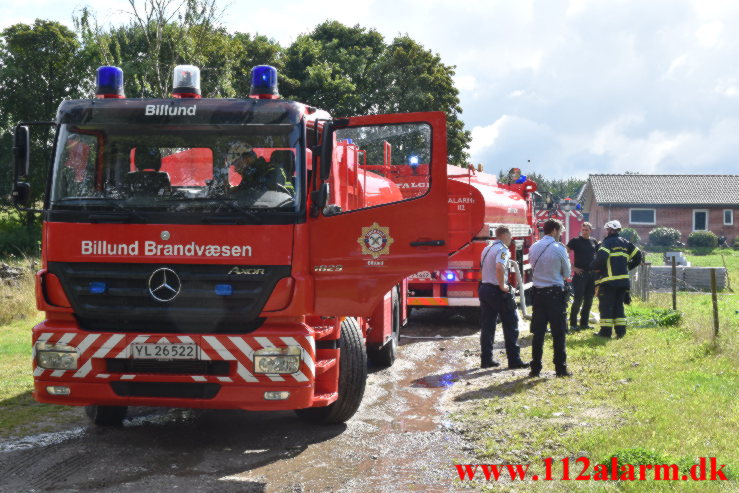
<point x="685" y="202"/>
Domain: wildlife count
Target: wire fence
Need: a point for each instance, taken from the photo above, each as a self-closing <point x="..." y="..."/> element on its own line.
<point x="702" y="295"/>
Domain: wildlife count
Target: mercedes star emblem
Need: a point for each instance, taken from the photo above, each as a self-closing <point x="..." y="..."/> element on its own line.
<point x="164" y="284"/>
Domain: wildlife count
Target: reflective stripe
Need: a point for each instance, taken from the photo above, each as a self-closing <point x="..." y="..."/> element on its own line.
<point x="619" y="254"/>
<point x="604" y="249"/>
<point x="619" y="321"/>
<point x="611" y="278"/>
<point x="634" y="252"/>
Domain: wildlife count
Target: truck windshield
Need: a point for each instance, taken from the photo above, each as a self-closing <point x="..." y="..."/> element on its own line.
<point x="177" y="169"/>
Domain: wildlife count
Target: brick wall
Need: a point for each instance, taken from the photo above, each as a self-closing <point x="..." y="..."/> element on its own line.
<point x="680" y="218"/>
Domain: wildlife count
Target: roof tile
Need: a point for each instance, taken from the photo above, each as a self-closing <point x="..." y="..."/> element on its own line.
<point x="638" y="189"/>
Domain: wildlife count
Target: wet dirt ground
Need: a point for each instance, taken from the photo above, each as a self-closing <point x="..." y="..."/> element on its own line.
<point x="401" y="439"/>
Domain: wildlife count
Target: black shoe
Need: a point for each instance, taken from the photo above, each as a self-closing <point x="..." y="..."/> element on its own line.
<point x="564" y="373"/>
<point x="584" y="327"/>
<point x="574" y="328"/>
<point x="534" y="373"/>
<point x="490" y="364"/>
<point x="598" y="334"/>
<point x="518" y="365"/>
<point x="620" y="336"/>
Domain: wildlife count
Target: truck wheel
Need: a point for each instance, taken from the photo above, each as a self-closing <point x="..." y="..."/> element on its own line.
<point x="352" y="379"/>
<point x="106" y="415"/>
<point x="384" y="356"/>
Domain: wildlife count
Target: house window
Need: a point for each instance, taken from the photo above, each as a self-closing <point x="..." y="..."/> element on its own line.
<point x="728" y="217"/>
<point x="700" y="220"/>
<point x="642" y="216"/>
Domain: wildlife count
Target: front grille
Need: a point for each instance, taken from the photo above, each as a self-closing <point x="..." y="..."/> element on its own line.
<point x="161" y="389"/>
<point x="128" y="306"/>
<point x="175" y="367"/>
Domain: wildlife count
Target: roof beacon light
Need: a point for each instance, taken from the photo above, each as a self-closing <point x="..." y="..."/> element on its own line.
<point x="109" y="83"/>
<point x="413" y="160"/>
<point x="264" y="82"/>
<point x="186" y="82"/>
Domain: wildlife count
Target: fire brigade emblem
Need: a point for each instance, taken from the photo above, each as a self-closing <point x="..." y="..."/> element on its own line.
<point x="375" y="240"/>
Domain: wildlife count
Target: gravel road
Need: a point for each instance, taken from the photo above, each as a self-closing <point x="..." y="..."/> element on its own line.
<point x="401" y="439"/>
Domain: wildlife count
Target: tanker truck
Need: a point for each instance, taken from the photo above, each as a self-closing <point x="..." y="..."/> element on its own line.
<point x="225" y="253"/>
<point x="477" y="205"/>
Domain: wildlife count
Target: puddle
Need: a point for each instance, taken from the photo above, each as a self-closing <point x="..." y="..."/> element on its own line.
<point x="444" y="380"/>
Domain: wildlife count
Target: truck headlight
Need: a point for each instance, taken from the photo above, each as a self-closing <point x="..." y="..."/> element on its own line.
<point x="277" y="360"/>
<point x="56" y="356"/>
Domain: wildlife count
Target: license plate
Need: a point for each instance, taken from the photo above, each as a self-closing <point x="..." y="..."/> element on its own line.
<point x="164" y="351"/>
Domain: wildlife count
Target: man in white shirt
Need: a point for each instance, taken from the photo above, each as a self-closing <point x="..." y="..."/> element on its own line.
<point x="496" y="298"/>
<point x="551" y="266"/>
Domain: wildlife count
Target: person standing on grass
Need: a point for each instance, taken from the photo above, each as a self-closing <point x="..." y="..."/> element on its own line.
<point x="496" y="298"/>
<point x="615" y="258"/>
<point x="551" y="266"/>
<point x="583" y="279"/>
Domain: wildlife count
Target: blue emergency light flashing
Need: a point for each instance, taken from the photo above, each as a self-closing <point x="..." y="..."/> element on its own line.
<point x="109" y="82"/>
<point x="449" y="276"/>
<point x="98" y="287"/>
<point x="224" y="290"/>
<point x="413" y="160"/>
<point x="264" y="82"/>
<point x="522" y="179"/>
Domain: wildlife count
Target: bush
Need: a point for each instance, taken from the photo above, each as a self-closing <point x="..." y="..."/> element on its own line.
<point x="631" y="235"/>
<point x="19" y="239"/>
<point x="663" y="236"/>
<point x="736" y="243"/>
<point x="702" y="239"/>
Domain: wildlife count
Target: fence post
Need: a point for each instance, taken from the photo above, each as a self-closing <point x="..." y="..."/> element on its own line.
<point x="674" y="284"/>
<point x="647" y="271"/>
<point x="715" y="302"/>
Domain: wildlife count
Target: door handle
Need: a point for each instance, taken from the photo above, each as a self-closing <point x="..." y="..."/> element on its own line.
<point x="427" y="243"/>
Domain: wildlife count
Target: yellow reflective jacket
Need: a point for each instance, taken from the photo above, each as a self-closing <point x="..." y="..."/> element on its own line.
<point x="613" y="261"/>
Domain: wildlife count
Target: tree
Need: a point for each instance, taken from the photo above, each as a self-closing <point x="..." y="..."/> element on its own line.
<point x="39" y="67"/>
<point x="160" y="35"/>
<point x="351" y="70"/>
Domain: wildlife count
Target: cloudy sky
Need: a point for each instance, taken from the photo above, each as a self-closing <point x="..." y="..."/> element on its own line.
<point x="574" y="86"/>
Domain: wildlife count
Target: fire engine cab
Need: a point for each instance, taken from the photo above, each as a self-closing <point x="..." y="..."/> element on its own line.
<point x="226" y="253"/>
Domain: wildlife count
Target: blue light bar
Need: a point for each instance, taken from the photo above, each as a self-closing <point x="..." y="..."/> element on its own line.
<point x="98" y="287"/>
<point x="263" y="81"/>
<point x="109" y="82"/>
<point x="224" y="290"/>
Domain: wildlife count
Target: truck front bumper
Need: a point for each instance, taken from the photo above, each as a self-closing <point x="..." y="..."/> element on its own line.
<point x="222" y="377"/>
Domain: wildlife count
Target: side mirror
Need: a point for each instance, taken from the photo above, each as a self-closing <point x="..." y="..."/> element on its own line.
<point x="21" y="194"/>
<point x="318" y="200"/>
<point x="21" y="151"/>
<point x="327" y="150"/>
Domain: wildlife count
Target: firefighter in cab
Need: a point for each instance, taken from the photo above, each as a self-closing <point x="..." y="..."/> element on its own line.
<point x="615" y="258"/>
<point x="256" y="172"/>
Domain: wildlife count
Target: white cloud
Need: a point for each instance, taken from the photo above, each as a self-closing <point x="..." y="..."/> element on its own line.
<point x="708" y="35"/>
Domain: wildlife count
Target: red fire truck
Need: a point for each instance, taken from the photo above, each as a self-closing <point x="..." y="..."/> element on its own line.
<point x="477" y="205"/>
<point x="226" y="253"/>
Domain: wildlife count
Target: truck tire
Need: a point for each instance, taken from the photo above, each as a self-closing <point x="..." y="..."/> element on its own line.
<point x="352" y="379"/>
<point x="106" y="415"/>
<point x="384" y="356"/>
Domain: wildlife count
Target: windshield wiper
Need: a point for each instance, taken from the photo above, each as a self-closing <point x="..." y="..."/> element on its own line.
<point x="229" y="202"/>
<point x="104" y="215"/>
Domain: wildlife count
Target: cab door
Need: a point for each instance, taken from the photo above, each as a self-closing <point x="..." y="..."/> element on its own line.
<point x="396" y="223"/>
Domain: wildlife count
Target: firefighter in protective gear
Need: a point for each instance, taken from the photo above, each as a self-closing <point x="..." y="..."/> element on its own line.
<point x="615" y="258"/>
<point x="255" y="171"/>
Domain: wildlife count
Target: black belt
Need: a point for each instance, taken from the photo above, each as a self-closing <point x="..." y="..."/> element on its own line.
<point x="550" y="288"/>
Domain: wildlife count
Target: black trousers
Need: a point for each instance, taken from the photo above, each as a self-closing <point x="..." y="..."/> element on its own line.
<point x="584" y="284"/>
<point x="550" y="307"/>
<point x="492" y="304"/>
<point x="611" y="306"/>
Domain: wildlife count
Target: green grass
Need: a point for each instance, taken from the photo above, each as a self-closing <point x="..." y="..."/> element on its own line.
<point x="659" y="394"/>
<point x="19" y="413"/>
